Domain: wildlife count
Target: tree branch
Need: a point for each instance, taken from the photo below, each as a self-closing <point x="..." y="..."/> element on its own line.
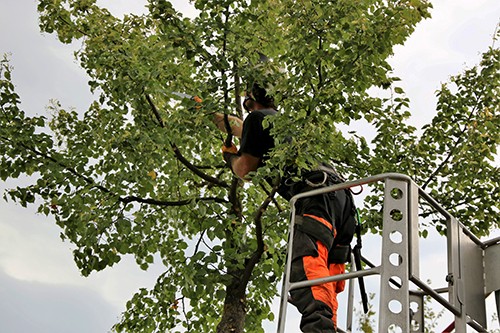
<point x="195" y="170"/>
<point x="237" y="89"/>
<point x="255" y="258"/>
<point x="452" y="150"/>
<point x="124" y="200"/>
<point x="200" y="240"/>
<point x="179" y="155"/>
<point x="320" y="70"/>
<point x="71" y="170"/>
<point x="466" y="201"/>
<point x="132" y="198"/>
<point x="233" y="197"/>
<point x="155" y="111"/>
<point x="275" y="202"/>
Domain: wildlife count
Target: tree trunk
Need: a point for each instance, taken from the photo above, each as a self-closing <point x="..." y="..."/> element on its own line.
<point x="234" y="313"/>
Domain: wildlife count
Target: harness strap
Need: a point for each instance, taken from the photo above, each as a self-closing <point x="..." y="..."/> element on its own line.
<point x="357" y="261"/>
<point x="322" y="231"/>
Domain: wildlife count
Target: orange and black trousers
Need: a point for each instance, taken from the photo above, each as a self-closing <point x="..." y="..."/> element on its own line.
<point x="317" y="304"/>
<point x="324" y="226"/>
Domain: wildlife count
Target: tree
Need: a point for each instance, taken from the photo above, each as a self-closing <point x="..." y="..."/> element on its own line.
<point x="140" y="171"/>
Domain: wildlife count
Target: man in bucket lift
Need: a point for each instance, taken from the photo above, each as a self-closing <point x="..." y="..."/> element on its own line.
<point x="325" y="224"/>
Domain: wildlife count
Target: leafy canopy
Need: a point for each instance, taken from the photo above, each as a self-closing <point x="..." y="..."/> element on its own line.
<point x="140" y="171"/>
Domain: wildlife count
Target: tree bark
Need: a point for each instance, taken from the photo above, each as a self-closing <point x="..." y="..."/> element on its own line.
<point x="234" y="313"/>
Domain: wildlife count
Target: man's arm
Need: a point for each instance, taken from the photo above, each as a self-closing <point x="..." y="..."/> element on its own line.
<point x="235" y="123"/>
<point x="244" y="164"/>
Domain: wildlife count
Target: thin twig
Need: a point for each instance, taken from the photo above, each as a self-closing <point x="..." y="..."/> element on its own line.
<point x="452" y="150"/>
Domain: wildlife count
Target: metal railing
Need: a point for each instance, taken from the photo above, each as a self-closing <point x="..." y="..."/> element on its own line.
<point x="465" y="253"/>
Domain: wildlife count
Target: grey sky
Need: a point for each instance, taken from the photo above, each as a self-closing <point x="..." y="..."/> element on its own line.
<point x="40" y="288"/>
<point x="38" y="307"/>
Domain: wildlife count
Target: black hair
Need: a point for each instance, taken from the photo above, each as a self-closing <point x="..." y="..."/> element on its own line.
<point x="260" y="95"/>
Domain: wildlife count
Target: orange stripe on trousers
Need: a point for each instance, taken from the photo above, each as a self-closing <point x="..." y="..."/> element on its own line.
<point x="317" y="267"/>
<point x="322" y="221"/>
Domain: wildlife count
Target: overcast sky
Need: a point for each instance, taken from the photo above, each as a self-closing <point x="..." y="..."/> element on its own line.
<point x="40" y="288"/>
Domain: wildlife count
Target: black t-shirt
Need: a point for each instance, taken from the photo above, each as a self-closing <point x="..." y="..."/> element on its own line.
<point x="335" y="208"/>
<point x="255" y="139"/>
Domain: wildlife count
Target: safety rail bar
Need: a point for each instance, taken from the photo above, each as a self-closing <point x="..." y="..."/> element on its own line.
<point x="458" y="250"/>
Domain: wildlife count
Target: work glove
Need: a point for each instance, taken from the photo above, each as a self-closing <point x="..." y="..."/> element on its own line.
<point x="231" y="149"/>
<point x="228" y="153"/>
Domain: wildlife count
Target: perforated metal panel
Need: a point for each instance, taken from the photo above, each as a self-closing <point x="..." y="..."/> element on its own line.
<point x="394" y="297"/>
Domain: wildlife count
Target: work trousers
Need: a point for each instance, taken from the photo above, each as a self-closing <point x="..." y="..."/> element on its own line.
<point x="317" y="304"/>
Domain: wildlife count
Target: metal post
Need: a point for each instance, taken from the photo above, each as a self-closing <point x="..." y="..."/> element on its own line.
<point x="394" y="299"/>
<point x="350" y="299"/>
<point x="413" y="231"/>
<point x="454" y="274"/>
<point x="286" y="276"/>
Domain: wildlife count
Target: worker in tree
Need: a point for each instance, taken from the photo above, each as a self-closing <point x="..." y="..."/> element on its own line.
<point x="324" y="223"/>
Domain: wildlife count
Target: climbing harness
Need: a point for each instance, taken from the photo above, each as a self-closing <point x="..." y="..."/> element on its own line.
<point x="325" y="175"/>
